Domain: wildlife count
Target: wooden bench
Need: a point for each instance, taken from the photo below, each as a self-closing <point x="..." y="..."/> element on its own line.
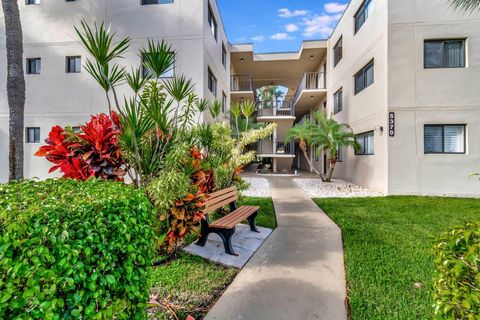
<point x="225" y="226"/>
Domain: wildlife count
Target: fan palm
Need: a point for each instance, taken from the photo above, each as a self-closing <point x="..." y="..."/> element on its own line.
<point x="303" y="134"/>
<point x="466" y="5"/>
<point x="330" y="135"/>
<point x="248" y="109"/>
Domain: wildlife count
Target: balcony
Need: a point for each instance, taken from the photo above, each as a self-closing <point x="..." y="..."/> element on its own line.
<point x="311" y="91"/>
<point x="275" y="149"/>
<point x="270" y="111"/>
<point x="241" y="87"/>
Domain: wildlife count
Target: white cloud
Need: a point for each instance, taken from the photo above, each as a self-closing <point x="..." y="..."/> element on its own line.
<point x="287" y="13"/>
<point x="335" y="7"/>
<point x="320" y="25"/>
<point x="291" y="27"/>
<point x="281" y="36"/>
<point x="258" y="38"/>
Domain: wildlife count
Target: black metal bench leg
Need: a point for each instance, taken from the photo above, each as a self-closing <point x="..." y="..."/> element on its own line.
<point x="204" y="231"/>
<point x="251" y="221"/>
<point x="226" y="235"/>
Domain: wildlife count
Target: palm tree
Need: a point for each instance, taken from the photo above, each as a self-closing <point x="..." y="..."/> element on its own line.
<point x="330" y="135"/>
<point x="215" y="109"/>
<point x="302" y="133"/>
<point x="466" y="5"/>
<point x="248" y="109"/>
<point x="15" y="87"/>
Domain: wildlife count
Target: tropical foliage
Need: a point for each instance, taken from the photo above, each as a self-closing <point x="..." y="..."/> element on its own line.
<point x="324" y="134"/>
<point x="74" y="250"/>
<point x="91" y="153"/>
<point x="457" y="280"/>
<point x="466" y="5"/>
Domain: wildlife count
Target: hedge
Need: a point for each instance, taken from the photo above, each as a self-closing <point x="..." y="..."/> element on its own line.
<point x="74" y="250"/>
<point x="457" y="278"/>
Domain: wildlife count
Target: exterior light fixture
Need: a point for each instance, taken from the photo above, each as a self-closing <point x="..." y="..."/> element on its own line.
<point x="379" y="129"/>
<point x="311" y="97"/>
<point x="242" y="60"/>
<point x="312" y="56"/>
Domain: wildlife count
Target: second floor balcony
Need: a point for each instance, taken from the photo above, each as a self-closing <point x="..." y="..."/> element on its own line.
<point x="241" y="84"/>
<point x="275" y="109"/>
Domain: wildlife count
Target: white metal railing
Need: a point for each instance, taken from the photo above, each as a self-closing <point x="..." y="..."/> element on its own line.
<point x="275" y="147"/>
<point x="241" y="83"/>
<point x="275" y="108"/>
<point x="311" y="81"/>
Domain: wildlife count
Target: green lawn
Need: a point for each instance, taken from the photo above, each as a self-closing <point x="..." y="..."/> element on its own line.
<point x="388" y="249"/>
<point x="190" y="284"/>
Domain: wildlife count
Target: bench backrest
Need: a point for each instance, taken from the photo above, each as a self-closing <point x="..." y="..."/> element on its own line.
<point x="221" y="198"/>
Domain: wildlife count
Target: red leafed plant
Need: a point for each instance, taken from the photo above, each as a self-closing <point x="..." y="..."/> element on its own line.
<point x="93" y="152"/>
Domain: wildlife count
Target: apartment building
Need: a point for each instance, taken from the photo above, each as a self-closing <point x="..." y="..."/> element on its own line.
<point x="61" y="92"/>
<point x="404" y="74"/>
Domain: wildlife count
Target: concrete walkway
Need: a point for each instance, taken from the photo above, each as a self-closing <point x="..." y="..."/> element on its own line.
<point x="298" y="273"/>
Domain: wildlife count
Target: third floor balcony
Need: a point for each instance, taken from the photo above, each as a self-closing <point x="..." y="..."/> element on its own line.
<point x="311" y="91"/>
<point x="241" y="88"/>
<point x="275" y="110"/>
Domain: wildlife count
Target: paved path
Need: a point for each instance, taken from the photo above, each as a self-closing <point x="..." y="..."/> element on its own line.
<point x="298" y="273"/>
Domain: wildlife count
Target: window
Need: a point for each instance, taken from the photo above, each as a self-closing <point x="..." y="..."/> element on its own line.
<point x="337" y="52"/>
<point x="340" y="154"/>
<point x="34" y="65"/>
<point x="363" y="14"/>
<point x="224" y="55"/>
<point x="364" y="78"/>
<point x="366" y="141"/>
<point x="444" y="54"/>
<point x="167" y="74"/>
<point x="156" y="1"/>
<point x="29" y="2"/>
<point x="338" y="101"/>
<point x="73" y="64"/>
<point x="212" y="82"/>
<point x="77" y="129"/>
<point x="444" y="138"/>
<point x="212" y="22"/>
<point x="70" y="0"/>
<point x="224" y="102"/>
<point x="33" y="135"/>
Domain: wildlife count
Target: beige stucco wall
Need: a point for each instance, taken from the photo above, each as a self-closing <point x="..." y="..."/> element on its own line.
<point x="366" y="110"/>
<point x="55" y="97"/>
<point x="421" y="96"/>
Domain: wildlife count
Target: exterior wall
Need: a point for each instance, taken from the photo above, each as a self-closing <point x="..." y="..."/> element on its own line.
<point x="368" y="109"/>
<point x="55" y="97"/>
<point x="421" y="96"/>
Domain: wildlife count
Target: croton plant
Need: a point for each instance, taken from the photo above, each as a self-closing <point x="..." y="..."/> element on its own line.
<point x="91" y="152"/>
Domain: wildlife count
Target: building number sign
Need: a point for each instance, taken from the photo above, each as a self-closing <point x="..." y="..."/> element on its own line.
<point x="391" y="124"/>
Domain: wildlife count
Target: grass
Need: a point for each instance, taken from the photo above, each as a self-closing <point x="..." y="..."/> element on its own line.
<point x="388" y="249"/>
<point x="190" y="284"/>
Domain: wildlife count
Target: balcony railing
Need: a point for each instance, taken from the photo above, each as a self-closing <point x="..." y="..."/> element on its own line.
<point x="311" y="81"/>
<point x="275" y="147"/>
<point x="241" y="83"/>
<point x="275" y="108"/>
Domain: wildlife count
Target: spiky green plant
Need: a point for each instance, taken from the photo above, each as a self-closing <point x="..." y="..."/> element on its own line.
<point x="466" y="5"/>
<point x="215" y="109"/>
<point x="101" y="45"/>
<point x="236" y="110"/>
<point x="158" y="58"/>
<point x="248" y="109"/>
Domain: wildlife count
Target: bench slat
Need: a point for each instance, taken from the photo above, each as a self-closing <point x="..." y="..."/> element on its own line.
<point x="212" y="201"/>
<point x="213" y="207"/>
<point x="222" y="192"/>
<point x="234" y="218"/>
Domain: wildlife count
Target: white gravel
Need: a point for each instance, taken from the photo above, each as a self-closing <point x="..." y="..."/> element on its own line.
<point x="315" y="188"/>
<point x="259" y="187"/>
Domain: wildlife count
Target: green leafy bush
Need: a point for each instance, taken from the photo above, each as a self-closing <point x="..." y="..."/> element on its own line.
<point x="457" y="280"/>
<point x="74" y="250"/>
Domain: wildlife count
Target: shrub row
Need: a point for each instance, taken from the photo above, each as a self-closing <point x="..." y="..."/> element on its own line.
<point x="74" y="250"/>
<point x="457" y="279"/>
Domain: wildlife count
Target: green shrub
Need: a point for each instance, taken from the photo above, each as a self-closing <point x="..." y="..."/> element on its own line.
<point x="74" y="250"/>
<point x="457" y="279"/>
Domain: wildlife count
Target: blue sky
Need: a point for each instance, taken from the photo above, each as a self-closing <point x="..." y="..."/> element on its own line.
<point x="279" y="25"/>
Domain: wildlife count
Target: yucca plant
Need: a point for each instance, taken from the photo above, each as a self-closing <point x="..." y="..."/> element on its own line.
<point x="101" y="45"/>
<point x="236" y="111"/>
<point x="215" y="109"/>
<point x="248" y="109"/>
<point x="466" y="5"/>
